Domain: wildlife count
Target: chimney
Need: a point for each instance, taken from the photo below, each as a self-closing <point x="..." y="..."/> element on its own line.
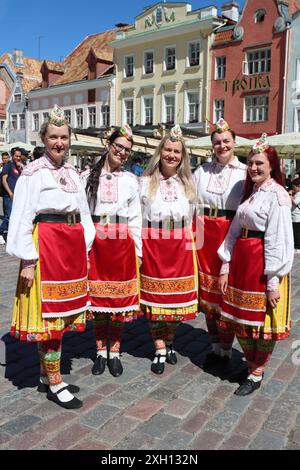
<point x="18" y="57"/>
<point x="230" y="10"/>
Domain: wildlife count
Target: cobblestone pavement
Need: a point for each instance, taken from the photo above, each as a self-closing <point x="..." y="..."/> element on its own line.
<point x="185" y="408"/>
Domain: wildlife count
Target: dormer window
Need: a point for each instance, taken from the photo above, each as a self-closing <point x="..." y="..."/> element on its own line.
<point x="259" y="16"/>
<point x="159" y="15"/>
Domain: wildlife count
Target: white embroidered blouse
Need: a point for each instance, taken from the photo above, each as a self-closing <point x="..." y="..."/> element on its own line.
<point x="219" y="185"/>
<point x="118" y="195"/>
<point x="268" y="210"/>
<point x="44" y="188"/>
<point x="170" y="201"/>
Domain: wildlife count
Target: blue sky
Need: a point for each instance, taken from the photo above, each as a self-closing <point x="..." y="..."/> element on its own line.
<point x="54" y="28"/>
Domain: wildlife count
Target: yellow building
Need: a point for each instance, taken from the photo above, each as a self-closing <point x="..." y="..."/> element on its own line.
<point x="163" y="66"/>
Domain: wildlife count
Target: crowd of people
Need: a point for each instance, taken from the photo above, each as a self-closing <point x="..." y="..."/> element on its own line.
<point x="111" y="246"/>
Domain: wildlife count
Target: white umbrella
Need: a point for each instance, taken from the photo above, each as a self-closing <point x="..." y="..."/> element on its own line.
<point x="23" y="145"/>
<point x="287" y="145"/>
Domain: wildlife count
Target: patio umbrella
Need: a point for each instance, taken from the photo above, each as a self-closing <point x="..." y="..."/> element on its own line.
<point x="287" y="145"/>
<point x="23" y="145"/>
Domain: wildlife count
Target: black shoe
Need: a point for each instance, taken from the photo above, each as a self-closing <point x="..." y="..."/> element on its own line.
<point x="115" y="366"/>
<point x="247" y="387"/>
<point x="69" y="405"/>
<point x="158" y="367"/>
<point x="43" y="388"/>
<point x="171" y="356"/>
<point x="99" y="365"/>
<point x="212" y="359"/>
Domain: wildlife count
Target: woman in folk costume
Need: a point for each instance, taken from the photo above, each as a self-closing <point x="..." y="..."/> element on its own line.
<point x="117" y="250"/>
<point x="51" y="231"/>
<point x="219" y="189"/>
<point x="258" y="253"/>
<point x="169" y="270"/>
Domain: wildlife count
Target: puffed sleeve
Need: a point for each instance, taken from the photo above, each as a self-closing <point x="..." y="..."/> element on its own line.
<point x="226" y="249"/>
<point x="86" y="219"/>
<point x="279" y="242"/>
<point x="135" y="217"/>
<point x="25" y="202"/>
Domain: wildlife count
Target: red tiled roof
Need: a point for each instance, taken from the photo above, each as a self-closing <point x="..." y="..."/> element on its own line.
<point x="223" y="36"/>
<point x="31" y="70"/>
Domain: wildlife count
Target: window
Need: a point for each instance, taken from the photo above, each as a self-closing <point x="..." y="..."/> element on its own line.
<point x="17" y="97"/>
<point x="129" y="66"/>
<point x="148" y="62"/>
<point x="256" y="108"/>
<point x="259" y="16"/>
<point x="220" y="68"/>
<point x="91" y="96"/>
<point x="170" y="58"/>
<point x="193" y="107"/>
<point x="169" y="110"/>
<point x="159" y="15"/>
<point x="259" y="61"/>
<point x="92" y="116"/>
<point x="45" y="116"/>
<point x="194" y="54"/>
<point x="67" y="113"/>
<point x="128" y="103"/>
<point x="2" y="127"/>
<point x="79" y="118"/>
<point x="297" y="120"/>
<point x="218" y="110"/>
<point x="22" y="121"/>
<point x="105" y="115"/>
<point x="36" y="122"/>
<point x="14" y="122"/>
<point x="148" y="110"/>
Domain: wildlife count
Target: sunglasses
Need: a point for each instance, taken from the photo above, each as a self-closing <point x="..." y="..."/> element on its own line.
<point x="120" y="148"/>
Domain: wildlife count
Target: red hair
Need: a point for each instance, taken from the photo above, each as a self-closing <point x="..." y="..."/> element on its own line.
<point x="276" y="174"/>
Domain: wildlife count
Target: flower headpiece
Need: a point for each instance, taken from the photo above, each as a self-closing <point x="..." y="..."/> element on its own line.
<point x="222" y="126"/>
<point x="176" y="133"/>
<point x="57" y="117"/>
<point x="126" y="131"/>
<point x="261" y="145"/>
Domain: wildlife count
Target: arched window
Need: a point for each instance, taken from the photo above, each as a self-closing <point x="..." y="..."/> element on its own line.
<point x="159" y="15"/>
<point x="259" y="15"/>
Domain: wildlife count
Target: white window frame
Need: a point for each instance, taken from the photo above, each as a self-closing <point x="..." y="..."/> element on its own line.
<point x="143" y="110"/>
<point x="172" y="46"/>
<point x="164" y="110"/>
<point x="14" y="118"/>
<point x="35" y="128"/>
<point x="219" y="110"/>
<point x="124" y="119"/>
<point x="125" y="66"/>
<point x="297" y="119"/>
<point x="187" y="105"/>
<point x="65" y="113"/>
<point x="19" y="100"/>
<point x="259" y="61"/>
<point x="76" y="114"/>
<point x="257" y="108"/>
<point x="45" y="116"/>
<point x="220" y="67"/>
<point x="144" y="62"/>
<point x="188" y="58"/>
<point x="20" y="121"/>
<point x="89" y="116"/>
<point x="105" y="114"/>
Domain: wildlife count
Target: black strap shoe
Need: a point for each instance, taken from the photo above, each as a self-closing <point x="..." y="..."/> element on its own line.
<point x="43" y="388"/>
<point x="115" y="366"/>
<point x="171" y="356"/>
<point x="99" y="365"/>
<point x="68" y="405"/>
<point x="158" y="367"/>
<point x="247" y="387"/>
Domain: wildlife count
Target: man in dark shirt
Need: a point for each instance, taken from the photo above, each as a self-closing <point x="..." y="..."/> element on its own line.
<point x="10" y="174"/>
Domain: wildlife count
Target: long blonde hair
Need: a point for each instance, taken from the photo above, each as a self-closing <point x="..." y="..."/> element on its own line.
<point x="183" y="171"/>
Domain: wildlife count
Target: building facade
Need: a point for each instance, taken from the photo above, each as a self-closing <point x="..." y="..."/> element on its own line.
<point x="293" y="86"/>
<point x="163" y="66"/>
<point x="249" y="69"/>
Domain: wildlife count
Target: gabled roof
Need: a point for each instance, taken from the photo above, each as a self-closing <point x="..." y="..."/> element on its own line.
<point x="30" y="71"/>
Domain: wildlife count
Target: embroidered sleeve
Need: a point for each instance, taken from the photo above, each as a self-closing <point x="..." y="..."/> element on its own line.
<point x="273" y="283"/>
<point x="225" y="268"/>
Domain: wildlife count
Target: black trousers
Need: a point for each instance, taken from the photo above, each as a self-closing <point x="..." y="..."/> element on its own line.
<point x="296" y="230"/>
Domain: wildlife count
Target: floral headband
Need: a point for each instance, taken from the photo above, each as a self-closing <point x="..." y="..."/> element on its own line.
<point x="57" y="117"/>
<point x="261" y="145"/>
<point x="126" y="131"/>
<point x="175" y="133"/>
<point x="221" y="126"/>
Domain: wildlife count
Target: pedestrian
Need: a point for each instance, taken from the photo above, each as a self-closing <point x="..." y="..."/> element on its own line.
<point x="258" y="254"/>
<point x="295" y="197"/>
<point x="169" y="283"/>
<point x="117" y="249"/>
<point x="219" y="186"/>
<point x="38" y="152"/>
<point x="24" y="157"/>
<point x="9" y="176"/>
<point x="4" y="160"/>
<point x="136" y="167"/>
<point x="51" y="231"/>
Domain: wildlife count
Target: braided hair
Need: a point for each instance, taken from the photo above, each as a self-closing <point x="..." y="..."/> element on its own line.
<point x="94" y="176"/>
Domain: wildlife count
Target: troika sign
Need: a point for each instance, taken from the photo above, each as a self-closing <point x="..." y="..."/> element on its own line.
<point x="247" y="83"/>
